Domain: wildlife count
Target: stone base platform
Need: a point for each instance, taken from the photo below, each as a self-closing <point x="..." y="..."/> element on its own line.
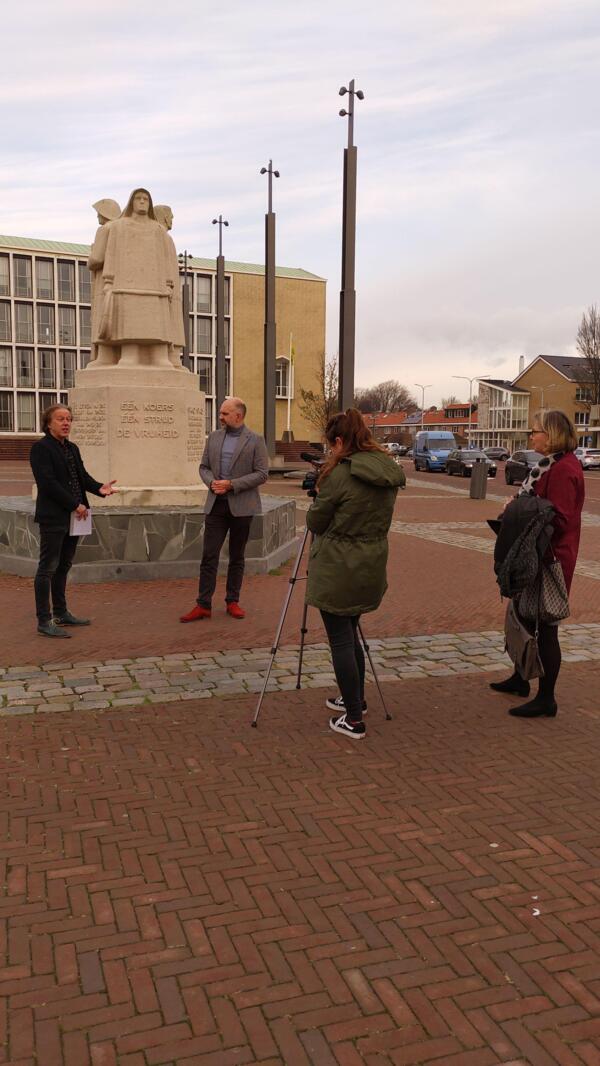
<point x="144" y="543"/>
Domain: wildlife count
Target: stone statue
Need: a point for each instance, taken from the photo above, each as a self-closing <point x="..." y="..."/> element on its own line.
<point x="107" y="211"/>
<point x="164" y="215"/>
<point x="138" y="266"/>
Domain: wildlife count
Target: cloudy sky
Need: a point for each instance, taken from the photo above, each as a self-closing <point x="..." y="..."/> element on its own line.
<point x="479" y="151"/>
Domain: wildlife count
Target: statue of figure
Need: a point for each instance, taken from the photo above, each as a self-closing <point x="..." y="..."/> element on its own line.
<point x="138" y="283"/>
<point x="107" y="211"/>
<point x="164" y="215"/>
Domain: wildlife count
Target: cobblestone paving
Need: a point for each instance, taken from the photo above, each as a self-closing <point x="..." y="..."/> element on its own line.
<point x="94" y="685"/>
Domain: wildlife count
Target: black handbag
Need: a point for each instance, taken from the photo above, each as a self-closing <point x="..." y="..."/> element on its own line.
<point x="521" y="644"/>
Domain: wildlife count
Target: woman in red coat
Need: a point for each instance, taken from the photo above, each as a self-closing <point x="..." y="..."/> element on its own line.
<point x="558" y="477"/>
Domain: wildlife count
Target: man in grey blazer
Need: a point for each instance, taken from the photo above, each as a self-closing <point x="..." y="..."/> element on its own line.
<point x="235" y="462"/>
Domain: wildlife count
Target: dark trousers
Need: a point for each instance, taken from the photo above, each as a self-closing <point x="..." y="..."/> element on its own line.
<point x="57" y="549"/>
<point x="217" y="525"/>
<point x="348" y="660"/>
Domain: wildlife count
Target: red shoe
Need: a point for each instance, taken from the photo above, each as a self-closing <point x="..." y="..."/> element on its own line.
<point x="235" y="610"/>
<point x="196" y="612"/>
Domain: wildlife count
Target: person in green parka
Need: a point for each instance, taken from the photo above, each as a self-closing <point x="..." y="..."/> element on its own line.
<point x="350" y="519"/>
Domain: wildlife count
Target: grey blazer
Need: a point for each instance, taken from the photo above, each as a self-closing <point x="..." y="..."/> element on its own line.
<point x="249" y="469"/>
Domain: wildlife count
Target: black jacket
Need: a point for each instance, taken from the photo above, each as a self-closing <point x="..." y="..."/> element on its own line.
<point x="525" y="532"/>
<point x="55" y="501"/>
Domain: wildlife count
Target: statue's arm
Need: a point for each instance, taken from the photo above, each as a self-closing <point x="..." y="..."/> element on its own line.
<point x="98" y="252"/>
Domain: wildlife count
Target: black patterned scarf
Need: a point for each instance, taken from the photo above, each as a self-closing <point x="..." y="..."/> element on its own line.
<point x="528" y="486"/>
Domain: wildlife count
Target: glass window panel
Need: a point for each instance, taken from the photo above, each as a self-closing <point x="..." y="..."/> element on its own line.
<point x="45" y="399"/>
<point x="26" y="412"/>
<point x="66" y="326"/>
<point x="84" y="359"/>
<point x="24" y="323"/>
<point x="4" y="276"/>
<point x="6" y="411"/>
<point x="226" y="335"/>
<point x="46" y="368"/>
<point x="281" y="378"/>
<point x="204" y="328"/>
<point x="45" y="325"/>
<point x="63" y="397"/>
<point x="228" y="377"/>
<point x="85" y="325"/>
<point x="209" y="416"/>
<point x="5" y="334"/>
<point x="25" y="367"/>
<point x="22" y="276"/>
<point x="85" y="284"/>
<point x="226" y="310"/>
<point x="205" y="374"/>
<point x="6" y="367"/>
<point x="44" y="279"/>
<point x="66" y="280"/>
<point x="203" y="292"/>
<point x="68" y="366"/>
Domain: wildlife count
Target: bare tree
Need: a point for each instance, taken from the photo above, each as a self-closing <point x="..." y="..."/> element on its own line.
<point x="385" y="397"/>
<point x="588" y="345"/>
<point x="317" y="406"/>
<point x="448" y="400"/>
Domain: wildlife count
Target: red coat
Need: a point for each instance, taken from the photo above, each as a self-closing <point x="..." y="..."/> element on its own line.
<point x="564" y="486"/>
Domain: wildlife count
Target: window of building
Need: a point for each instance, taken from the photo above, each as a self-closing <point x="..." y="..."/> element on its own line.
<point x="45" y="399"/>
<point x="22" y="276"/>
<point x="203" y="293"/>
<point x="44" y="279"/>
<point x="66" y="326"/>
<point x="5" y="334"/>
<point x="282" y="378"/>
<point x="583" y="394"/>
<point x="25" y="367"/>
<point x="205" y="373"/>
<point x="582" y="418"/>
<point x="26" y="412"/>
<point x="63" y="397"/>
<point x="4" y="276"/>
<point x="66" y="280"/>
<point x="45" y="325"/>
<point x="84" y="358"/>
<point x="24" y="323"/>
<point x="6" y="367"/>
<point x="6" y="412"/>
<point x="85" y="325"/>
<point x="226" y="310"/>
<point x="208" y="410"/>
<point x="226" y="335"/>
<point x="85" y="284"/>
<point x="204" y="328"/>
<point x="68" y="366"/>
<point x="46" y="368"/>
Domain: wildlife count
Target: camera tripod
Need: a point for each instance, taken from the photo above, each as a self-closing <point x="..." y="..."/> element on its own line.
<point x="303" y="631"/>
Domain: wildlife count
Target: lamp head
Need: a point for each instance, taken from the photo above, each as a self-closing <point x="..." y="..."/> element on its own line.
<point x="343" y="113"/>
<point x="214" y="221"/>
<point x="226" y="223"/>
<point x="343" y="90"/>
<point x="263" y="170"/>
<point x="276" y="173"/>
<point x="360" y="94"/>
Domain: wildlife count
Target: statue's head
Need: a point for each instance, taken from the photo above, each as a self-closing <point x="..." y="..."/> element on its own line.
<point x="139" y="203"/>
<point x="107" y="210"/>
<point x="164" y="214"/>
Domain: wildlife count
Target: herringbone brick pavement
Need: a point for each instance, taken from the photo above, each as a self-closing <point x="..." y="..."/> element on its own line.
<point x="178" y="888"/>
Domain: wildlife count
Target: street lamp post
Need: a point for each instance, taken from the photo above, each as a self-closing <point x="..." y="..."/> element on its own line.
<point x="220" y="363"/>
<point x="270" y="381"/>
<point x="462" y="377"/>
<point x="348" y="291"/>
<point x="185" y="300"/>
<point x="422" y="388"/>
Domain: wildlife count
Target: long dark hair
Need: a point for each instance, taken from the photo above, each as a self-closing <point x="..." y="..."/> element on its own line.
<point x="355" y="435"/>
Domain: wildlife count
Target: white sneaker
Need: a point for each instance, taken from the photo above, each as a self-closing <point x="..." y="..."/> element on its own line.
<point x="356" y="730"/>
<point x="336" y="703"/>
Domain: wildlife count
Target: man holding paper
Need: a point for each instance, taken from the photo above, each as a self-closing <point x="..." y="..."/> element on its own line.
<point x="62" y="511"/>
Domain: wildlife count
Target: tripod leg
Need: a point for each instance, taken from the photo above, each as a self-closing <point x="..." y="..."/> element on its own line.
<point x="292" y="582"/>
<point x="303" y="632"/>
<point x="374" y="672"/>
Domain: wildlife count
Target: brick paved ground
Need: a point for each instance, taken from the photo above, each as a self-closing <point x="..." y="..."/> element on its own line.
<point x="178" y="888"/>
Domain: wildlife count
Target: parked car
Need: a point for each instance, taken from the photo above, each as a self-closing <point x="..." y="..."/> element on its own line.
<point x="497" y="453"/>
<point x="519" y="465"/>
<point x="393" y="448"/>
<point x="462" y="460"/>
<point x="432" y="448"/>
<point x="588" y="457"/>
<point x="410" y="453"/>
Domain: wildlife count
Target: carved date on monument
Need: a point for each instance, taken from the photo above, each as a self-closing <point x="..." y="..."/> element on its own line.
<point x="195" y="435"/>
<point x="89" y="423"/>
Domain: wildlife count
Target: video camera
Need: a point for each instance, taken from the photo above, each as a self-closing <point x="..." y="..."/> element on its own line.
<point x="309" y="484"/>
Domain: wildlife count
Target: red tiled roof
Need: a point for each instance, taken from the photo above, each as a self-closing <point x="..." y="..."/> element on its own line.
<point x="391" y="418"/>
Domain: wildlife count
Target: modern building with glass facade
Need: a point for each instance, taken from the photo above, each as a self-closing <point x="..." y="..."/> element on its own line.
<point x="45" y="333"/>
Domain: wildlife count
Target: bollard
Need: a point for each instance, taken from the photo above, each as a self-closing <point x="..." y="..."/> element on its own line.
<point x="479" y="476"/>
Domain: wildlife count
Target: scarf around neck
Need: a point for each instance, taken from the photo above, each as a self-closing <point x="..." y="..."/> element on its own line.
<point x="528" y="486"/>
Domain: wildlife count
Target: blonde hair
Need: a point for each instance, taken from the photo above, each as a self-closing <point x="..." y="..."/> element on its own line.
<point x="559" y="429"/>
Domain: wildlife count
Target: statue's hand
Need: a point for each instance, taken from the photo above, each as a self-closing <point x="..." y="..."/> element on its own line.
<point x="107" y="287"/>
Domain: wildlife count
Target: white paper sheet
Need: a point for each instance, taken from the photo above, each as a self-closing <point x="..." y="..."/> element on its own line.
<point x="80" y="527"/>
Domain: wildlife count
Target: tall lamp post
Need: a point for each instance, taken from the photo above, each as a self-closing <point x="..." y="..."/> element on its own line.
<point x="270" y="382"/>
<point x="542" y="389"/>
<point x="185" y="299"/>
<point x="462" y="377"/>
<point x="220" y="364"/>
<point x="422" y="388"/>
<point x="348" y="291"/>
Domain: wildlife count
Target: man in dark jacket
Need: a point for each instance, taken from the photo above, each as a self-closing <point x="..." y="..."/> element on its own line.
<point x="62" y="482"/>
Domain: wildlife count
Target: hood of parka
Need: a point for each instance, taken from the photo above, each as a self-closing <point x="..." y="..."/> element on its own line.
<point x="376" y="468"/>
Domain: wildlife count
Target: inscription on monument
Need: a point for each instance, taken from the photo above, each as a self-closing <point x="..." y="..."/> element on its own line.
<point x="89" y="420"/>
<point x="195" y="434"/>
<point x="146" y="420"/>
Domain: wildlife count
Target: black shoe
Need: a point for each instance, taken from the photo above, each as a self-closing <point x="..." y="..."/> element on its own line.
<point x="68" y="619"/>
<point x="356" y="730"/>
<point x="536" y="708"/>
<point x="515" y="685"/>
<point x="336" y="703"/>
<point x="49" y="629"/>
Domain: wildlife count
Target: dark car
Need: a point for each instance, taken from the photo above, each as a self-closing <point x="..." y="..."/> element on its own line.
<point x="519" y="465"/>
<point x="462" y="460"/>
<point x="497" y="453"/>
<point x="410" y="453"/>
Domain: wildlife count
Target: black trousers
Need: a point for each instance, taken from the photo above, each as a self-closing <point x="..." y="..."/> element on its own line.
<point x="57" y="549"/>
<point x="217" y="525"/>
<point x="348" y="660"/>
